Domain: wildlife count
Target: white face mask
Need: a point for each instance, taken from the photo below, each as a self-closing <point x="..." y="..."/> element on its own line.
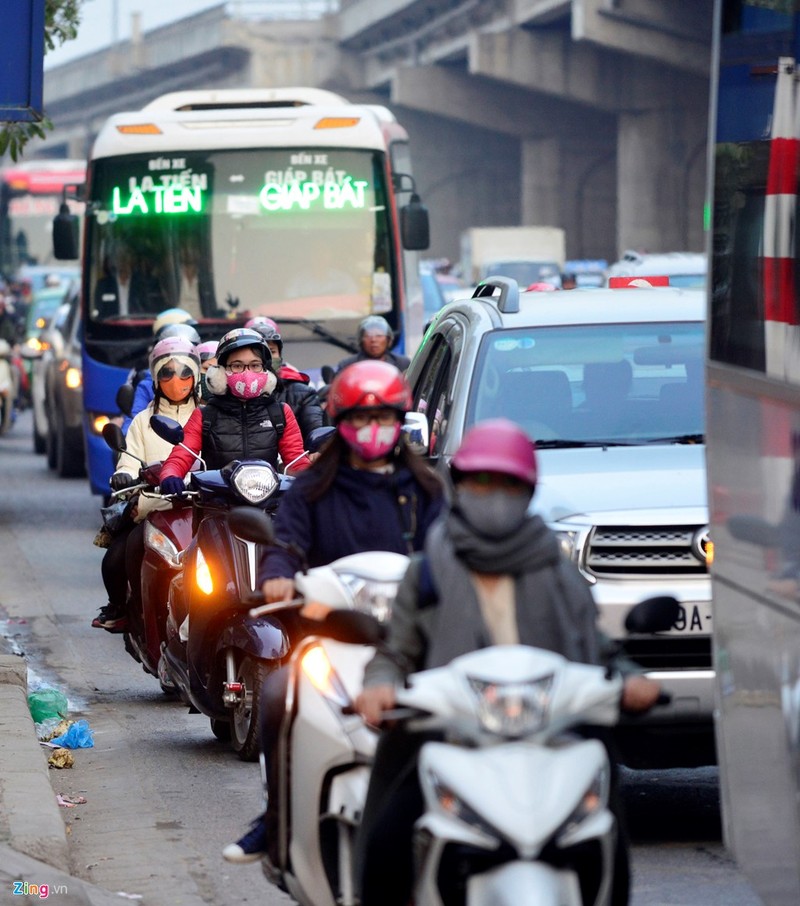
<point x="495" y="514"/>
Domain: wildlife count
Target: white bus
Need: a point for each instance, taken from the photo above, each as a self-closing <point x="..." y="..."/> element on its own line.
<point x="290" y="203"/>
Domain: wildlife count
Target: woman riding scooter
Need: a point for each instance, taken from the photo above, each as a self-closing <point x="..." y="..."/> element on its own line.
<point x="175" y="368"/>
<point x="367" y="491"/>
<point x="242" y="419"/>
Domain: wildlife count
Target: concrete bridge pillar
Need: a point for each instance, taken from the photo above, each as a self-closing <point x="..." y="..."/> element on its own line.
<point x="660" y="176"/>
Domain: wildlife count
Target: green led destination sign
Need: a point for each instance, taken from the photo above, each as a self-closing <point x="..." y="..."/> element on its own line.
<point x="307" y="195"/>
<point x="158" y="200"/>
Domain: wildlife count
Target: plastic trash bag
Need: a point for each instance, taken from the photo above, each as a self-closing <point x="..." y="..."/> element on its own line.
<point x="50" y="727"/>
<point x="47" y="703"/>
<point x="79" y="736"/>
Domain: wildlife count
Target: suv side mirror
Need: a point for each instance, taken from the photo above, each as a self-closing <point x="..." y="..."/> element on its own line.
<point x="417" y="432"/>
<point x="415" y="225"/>
<point x="65" y="235"/>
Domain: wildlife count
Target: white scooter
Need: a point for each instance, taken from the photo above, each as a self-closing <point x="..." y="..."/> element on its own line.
<point x="324" y="754"/>
<point x="516" y="804"/>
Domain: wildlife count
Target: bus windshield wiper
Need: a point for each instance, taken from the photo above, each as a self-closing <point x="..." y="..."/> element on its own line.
<point x="561" y="443"/>
<point x="678" y="439"/>
<point x="316" y="328"/>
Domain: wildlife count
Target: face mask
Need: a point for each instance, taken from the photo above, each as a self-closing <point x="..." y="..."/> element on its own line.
<point x="277" y="363"/>
<point x="176" y="389"/>
<point x="495" y="514"/>
<point x="371" y="442"/>
<point x="250" y="384"/>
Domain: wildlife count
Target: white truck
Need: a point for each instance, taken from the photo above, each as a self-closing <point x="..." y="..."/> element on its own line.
<point x="528" y="254"/>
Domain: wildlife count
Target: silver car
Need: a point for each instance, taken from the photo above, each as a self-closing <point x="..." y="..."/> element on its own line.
<point x="610" y="385"/>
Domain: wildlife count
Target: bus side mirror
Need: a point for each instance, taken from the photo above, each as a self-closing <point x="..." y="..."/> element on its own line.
<point x="414" y="225"/>
<point x="65" y="235"/>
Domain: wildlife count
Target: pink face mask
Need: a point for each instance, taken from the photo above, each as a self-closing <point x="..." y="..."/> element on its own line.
<point x="250" y="384"/>
<point x="371" y="442"/>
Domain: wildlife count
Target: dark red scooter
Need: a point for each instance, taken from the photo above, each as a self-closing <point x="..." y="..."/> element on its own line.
<point x="166" y="535"/>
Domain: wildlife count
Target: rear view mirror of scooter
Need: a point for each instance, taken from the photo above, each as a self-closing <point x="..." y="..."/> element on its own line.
<point x="114" y="438"/>
<point x="353" y="627"/>
<point x="656" y="614"/>
<point x="319" y="437"/>
<point x="172" y="432"/>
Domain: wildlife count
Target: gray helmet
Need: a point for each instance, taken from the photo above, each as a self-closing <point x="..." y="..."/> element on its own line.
<point x="375" y="324"/>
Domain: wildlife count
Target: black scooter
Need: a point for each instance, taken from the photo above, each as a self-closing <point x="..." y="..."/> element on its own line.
<point x="216" y="654"/>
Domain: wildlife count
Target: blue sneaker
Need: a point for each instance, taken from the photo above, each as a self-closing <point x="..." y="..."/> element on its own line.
<point x="250" y="847"/>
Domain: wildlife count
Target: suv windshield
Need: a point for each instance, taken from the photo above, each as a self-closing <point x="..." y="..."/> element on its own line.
<point x="595" y="383"/>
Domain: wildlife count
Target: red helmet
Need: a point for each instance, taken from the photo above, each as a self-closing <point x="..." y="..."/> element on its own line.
<point x="497" y="445"/>
<point x="369" y="384"/>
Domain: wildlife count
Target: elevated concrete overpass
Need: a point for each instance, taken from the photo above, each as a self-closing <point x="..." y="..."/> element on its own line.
<point x="586" y="114"/>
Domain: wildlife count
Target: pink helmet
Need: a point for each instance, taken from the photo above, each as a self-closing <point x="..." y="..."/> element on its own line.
<point x="497" y="445"/>
<point x="261" y="321"/>
<point x="207" y="350"/>
<point x="178" y="348"/>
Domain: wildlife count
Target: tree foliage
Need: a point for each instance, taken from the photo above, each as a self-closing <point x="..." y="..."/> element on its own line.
<point x="61" y="21"/>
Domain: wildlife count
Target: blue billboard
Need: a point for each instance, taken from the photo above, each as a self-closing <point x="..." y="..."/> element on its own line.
<point x="21" y="60"/>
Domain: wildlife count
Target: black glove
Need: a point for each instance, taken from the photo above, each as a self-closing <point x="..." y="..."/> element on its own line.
<point x="121" y="480"/>
<point x="173" y="485"/>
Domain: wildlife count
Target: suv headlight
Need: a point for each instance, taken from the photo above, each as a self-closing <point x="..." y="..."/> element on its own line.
<point x="371" y="596"/>
<point x="512" y="710"/>
<point x="254" y="483"/>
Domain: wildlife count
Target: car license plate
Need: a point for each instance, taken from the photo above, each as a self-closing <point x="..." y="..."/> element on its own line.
<point x="693" y="619"/>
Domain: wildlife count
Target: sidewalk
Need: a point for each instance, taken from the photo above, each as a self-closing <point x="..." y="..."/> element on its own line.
<point x="33" y="840"/>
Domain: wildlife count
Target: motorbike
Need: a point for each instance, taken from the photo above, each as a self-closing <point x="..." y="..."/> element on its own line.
<point x="324" y="753"/>
<point x="216" y="654"/>
<point x="516" y="801"/>
<point x="9" y="383"/>
<point x="166" y="535"/>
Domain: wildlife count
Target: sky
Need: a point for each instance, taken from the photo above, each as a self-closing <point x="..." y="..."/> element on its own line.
<point x="97" y="23"/>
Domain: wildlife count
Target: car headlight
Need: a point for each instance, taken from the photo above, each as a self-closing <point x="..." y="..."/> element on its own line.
<point x="515" y="709"/>
<point x="97" y="421"/>
<point x="254" y="483"/>
<point x="73" y="378"/>
<point x="454" y="806"/>
<point x="568" y="541"/>
<point x="371" y="596"/>
<point x="594" y="799"/>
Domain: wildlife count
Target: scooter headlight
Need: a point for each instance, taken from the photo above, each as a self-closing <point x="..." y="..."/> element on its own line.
<point x="254" y="483"/>
<point x="512" y="710"/>
<point x="157" y="541"/>
<point x="202" y="574"/>
<point x="594" y="799"/>
<point x="371" y="596"/>
<point x="316" y="665"/>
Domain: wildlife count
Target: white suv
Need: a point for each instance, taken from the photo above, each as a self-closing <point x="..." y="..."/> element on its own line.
<point x="610" y="385"/>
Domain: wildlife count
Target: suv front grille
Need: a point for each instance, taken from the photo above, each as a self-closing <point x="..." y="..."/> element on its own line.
<point x="643" y="551"/>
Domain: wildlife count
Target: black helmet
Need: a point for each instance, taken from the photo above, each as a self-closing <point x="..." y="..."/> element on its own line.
<point x="239" y="338"/>
<point x="184" y="331"/>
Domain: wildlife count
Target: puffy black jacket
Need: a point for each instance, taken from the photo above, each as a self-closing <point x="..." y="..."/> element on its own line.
<point x="233" y="429"/>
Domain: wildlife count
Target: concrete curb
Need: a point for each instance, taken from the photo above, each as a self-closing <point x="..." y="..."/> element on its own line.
<point x="33" y="838"/>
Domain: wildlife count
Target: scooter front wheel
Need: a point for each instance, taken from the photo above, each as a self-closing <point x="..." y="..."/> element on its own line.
<point x="246" y="714"/>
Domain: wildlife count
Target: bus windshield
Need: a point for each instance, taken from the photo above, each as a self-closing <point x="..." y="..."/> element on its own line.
<point x="285" y="233"/>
